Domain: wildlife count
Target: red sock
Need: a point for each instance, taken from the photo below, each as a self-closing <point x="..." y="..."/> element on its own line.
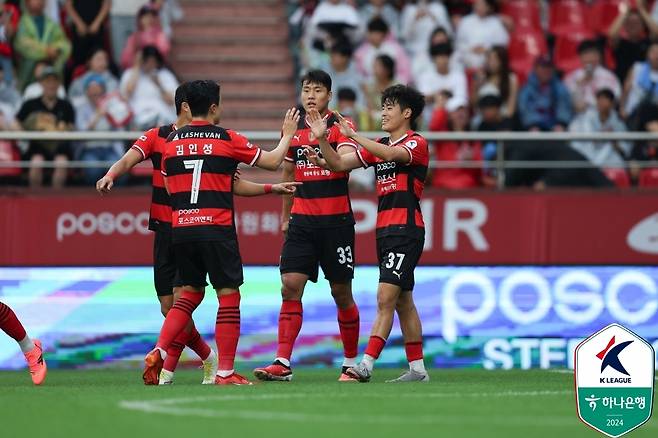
<point x="227" y="329"/>
<point x="348" y="324"/>
<point x="198" y="345"/>
<point x="174" y="351"/>
<point x="414" y="350"/>
<point x="10" y="324"/>
<point x="375" y="346"/>
<point x="290" y="323"/>
<point x="178" y="317"/>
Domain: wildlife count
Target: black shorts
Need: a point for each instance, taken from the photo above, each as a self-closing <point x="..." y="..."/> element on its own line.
<point x="165" y="273"/>
<point x="219" y="260"/>
<point x="331" y="248"/>
<point x="49" y="150"/>
<point x="398" y="257"/>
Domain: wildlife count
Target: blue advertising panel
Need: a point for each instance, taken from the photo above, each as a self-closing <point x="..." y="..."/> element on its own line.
<point x="482" y="317"/>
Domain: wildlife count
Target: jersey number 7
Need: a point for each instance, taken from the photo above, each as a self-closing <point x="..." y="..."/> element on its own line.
<point x="197" y="165"/>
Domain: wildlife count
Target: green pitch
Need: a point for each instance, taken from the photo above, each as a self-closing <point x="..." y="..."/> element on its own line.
<point x="457" y="403"/>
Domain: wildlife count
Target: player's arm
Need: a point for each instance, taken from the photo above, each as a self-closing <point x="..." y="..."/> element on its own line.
<point x="246" y="188"/>
<point x="335" y="161"/>
<point x="129" y="160"/>
<point x="288" y="175"/>
<point x="271" y="160"/>
<point x="386" y="153"/>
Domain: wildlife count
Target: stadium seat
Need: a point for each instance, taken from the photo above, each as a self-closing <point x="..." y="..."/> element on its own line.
<point x="143" y="169"/>
<point x="566" y="50"/>
<point x="602" y="14"/>
<point x="649" y="177"/>
<point x="567" y="16"/>
<point x="8" y="154"/>
<point x="525" y="46"/>
<point x="524" y="13"/>
<point x="618" y="176"/>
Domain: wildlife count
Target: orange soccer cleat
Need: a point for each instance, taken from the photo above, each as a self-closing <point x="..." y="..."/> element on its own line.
<point x="233" y="379"/>
<point x="153" y="363"/>
<point x="36" y="363"/>
<point x="276" y="371"/>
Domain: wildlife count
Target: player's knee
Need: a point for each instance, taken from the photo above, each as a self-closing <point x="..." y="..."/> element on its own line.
<point x="291" y="290"/>
<point x="386" y="303"/>
<point x="342" y="295"/>
<point x="404" y="303"/>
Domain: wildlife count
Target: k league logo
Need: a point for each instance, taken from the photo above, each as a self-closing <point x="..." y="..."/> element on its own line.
<point x="614" y="372"/>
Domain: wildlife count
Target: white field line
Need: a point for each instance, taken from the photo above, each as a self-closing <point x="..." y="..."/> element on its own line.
<point x="173" y="406"/>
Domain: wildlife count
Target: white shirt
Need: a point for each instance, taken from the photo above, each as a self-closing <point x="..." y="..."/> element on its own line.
<point x="126" y="7"/>
<point x="636" y="93"/>
<point x="416" y="33"/>
<point x="335" y="13"/>
<point x="146" y="101"/>
<point x="474" y="31"/>
<point x="432" y="82"/>
<point x="601" y="78"/>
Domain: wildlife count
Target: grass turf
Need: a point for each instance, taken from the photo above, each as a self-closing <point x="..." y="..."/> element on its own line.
<point x="456" y="403"/>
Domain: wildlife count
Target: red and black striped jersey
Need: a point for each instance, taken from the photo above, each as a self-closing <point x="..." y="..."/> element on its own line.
<point x="199" y="163"/>
<point x="151" y="145"/>
<point x="399" y="187"/>
<point x="323" y="200"/>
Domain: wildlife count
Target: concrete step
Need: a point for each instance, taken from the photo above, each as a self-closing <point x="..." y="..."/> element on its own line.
<point x="183" y="30"/>
<point x="254" y="50"/>
<point x="240" y="40"/>
<point x="243" y="124"/>
<point x="228" y="20"/>
<point x="236" y="71"/>
<point x="237" y="8"/>
<point x="265" y="104"/>
<point x="222" y="58"/>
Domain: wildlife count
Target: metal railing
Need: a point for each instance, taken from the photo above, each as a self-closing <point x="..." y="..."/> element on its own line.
<point x="524" y="139"/>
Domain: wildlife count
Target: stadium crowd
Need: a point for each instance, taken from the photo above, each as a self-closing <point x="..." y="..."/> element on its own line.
<point x="483" y="65"/>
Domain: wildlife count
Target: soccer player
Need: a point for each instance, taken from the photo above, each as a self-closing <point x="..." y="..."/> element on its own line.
<point x="199" y="165"/>
<point x="31" y="348"/>
<point x="151" y="145"/>
<point x="400" y="162"/>
<point x="319" y="227"/>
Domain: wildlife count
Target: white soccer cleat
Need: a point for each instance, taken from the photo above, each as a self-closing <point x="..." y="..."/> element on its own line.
<point x="411" y="376"/>
<point x="166" y="377"/>
<point x="210" y="366"/>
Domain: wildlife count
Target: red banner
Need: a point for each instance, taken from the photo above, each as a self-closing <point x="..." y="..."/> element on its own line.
<point x="467" y="228"/>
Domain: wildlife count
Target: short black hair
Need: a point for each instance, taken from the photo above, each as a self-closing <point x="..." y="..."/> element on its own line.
<point x="406" y="97"/>
<point x="153" y="52"/>
<point x="343" y="47"/>
<point x="607" y="93"/>
<point x="587" y="46"/>
<point x="319" y="77"/>
<point x="377" y="24"/>
<point x="201" y="95"/>
<point x="180" y="96"/>
<point x="441" y="49"/>
<point x="490" y="101"/>
<point x="389" y="65"/>
<point x="493" y="5"/>
<point x="346" y="94"/>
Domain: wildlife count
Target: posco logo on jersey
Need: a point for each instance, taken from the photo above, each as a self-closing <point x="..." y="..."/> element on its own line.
<point x="104" y="223"/>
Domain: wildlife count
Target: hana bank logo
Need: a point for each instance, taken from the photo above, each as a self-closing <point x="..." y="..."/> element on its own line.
<point x="643" y="237"/>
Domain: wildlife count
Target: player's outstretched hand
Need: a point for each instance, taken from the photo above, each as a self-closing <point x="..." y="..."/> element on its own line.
<point x="314" y="157"/>
<point x="317" y="124"/>
<point x="290" y="122"/>
<point x="285" y="188"/>
<point x="104" y="185"/>
<point x="345" y="127"/>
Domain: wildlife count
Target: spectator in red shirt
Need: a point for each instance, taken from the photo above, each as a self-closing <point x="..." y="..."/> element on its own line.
<point x="8" y="24"/>
<point x="453" y="116"/>
<point x="148" y="33"/>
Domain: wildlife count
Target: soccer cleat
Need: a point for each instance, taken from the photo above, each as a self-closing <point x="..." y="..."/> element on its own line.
<point x="153" y="363"/>
<point x="36" y="363"/>
<point x="210" y="366"/>
<point x="166" y="377"/>
<point x="344" y="377"/>
<point x="411" y="376"/>
<point x="359" y="372"/>
<point x="275" y="372"/>
<point x="233" y="379"/>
